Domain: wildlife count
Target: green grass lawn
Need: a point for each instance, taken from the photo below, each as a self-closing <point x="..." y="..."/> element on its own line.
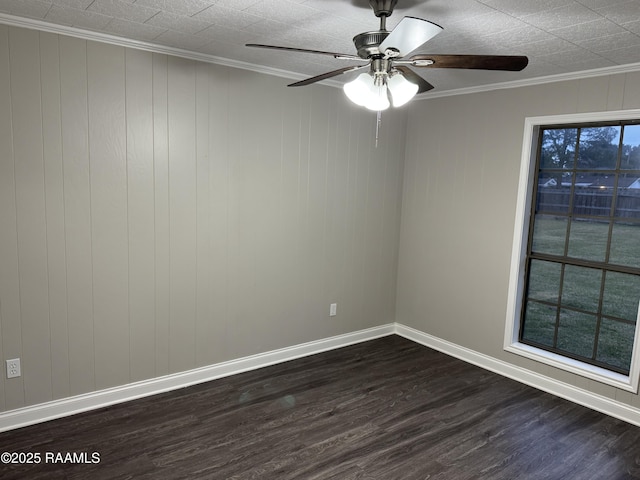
<point x="577" y="304"/>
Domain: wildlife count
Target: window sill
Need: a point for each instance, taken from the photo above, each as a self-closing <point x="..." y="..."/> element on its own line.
<point x="592" y="372"/>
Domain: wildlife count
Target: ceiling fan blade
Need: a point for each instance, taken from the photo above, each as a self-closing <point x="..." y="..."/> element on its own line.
<point x="413" y="77"/>
<point x="409" y="34"/>
<point x="512" y="63"/>
<point x="324" y="76"/>
<point x="345" y="56"/>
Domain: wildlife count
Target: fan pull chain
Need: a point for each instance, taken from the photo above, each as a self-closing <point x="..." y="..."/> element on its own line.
<point x="378" y="121"/>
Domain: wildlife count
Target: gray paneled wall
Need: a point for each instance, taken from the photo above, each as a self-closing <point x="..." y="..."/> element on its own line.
<point x="461" y="178"/>
<point x="159" y="214"/>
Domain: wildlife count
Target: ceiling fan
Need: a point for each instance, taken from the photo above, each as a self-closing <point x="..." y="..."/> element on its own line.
<point x="390" y="72"/>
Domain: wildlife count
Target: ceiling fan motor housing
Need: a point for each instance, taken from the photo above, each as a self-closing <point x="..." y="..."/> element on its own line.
<point x="367" y="43"/>
<point x="383" y="8"/>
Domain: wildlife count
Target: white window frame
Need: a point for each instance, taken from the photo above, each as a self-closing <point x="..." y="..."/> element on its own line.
<point x="528" y="176"/>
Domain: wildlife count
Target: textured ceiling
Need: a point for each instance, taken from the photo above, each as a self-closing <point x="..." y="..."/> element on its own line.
<point x="558" y="36"/>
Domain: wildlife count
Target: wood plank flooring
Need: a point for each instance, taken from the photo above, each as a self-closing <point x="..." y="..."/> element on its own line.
<point x="381" y="410"/>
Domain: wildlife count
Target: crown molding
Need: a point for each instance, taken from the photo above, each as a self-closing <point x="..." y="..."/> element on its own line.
<point x="35" y="24"/>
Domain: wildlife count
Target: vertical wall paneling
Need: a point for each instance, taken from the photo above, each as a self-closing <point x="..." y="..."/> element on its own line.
<point x="383" y="173"/>
<point x="109" y="224"/>
<point x="238" y="132"/>
<point x="30" y="206"/>
<point x="278" y="290"/>
<point x="395" y="216"/>
<point x="77" y="208"/>
<point x="331" y="276"/>
<point x="245" y="184"/>
<point x="140" y="212"/>
<point x="361" y="181"/>
<point x="344" y="201"/>
<point x="244" y="122"/>
<point x="330" y="268"/>
<point x="258" y="205"/>
<point x="387" y="169"/>
<point x="266" y="183"/>
<point x="388" y="226"/>
<point x="349" y="305"/>
<point x="393" y="202"/>
<point x="631" y="95"/>
<point x="10" y="328"/>
<point x="55" y="221"/>
<point x="615" y="92"/>
<point x="203" y="229"/>
<point x="6" y="155"/>
<point x="160" y="214"/>
<point x="218" y="137"/>
<point x="289" y="205"/>
<point x="182" y="212"/>
<point x="317" y="208"/>
<point x="339" y="219"/>
<point x="590" y="98"/>
<point x="161" y="232"/>
<point x="368" y="239"/>
<point x="253" y="188"/>
<point x="374" y="201"/>
<point x="302" y="250"/>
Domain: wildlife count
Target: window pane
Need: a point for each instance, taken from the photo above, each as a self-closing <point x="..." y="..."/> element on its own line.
<point x="549" y="234"/>
<point x="628" y="201"/>
<point x="615" y="343"/>
<point x="631" y="148"/>
<point x="553" y="198"/>
<point x="625" y="245"/>
<point x="581" y="288"/>
<point x="544" y="281"/>
<point x="588" y="240"/>
<point x="558" y="148"/>
<point x="621" y="295"/>
<point x="576" y="333"/>
<point x="599" y="147"/>
<point x="539" y="323"/>
<point x="594" y="200"/>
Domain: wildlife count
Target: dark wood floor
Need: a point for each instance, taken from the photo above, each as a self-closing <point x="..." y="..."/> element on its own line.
<point x="385" y="409"/>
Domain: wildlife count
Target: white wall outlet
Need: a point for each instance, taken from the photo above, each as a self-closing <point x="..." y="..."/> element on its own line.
<point x="333" y="309"/>
<point x="13" y="368"/>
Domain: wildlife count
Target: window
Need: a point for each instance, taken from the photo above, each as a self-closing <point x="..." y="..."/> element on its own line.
<point x="576" y="273"/>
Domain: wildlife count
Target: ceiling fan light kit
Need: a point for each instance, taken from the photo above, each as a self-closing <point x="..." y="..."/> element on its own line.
<point x="390" y="79"/>
<point x="365" y="92"/>
<point x="402" y="90"/>
<point x="373" y="91"/>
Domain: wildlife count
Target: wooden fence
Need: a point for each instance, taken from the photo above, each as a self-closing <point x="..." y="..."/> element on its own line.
<point x="590" y="202"/>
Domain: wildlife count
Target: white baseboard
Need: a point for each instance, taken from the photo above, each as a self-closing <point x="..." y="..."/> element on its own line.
<point x="90" y="401"/>
<point x="569" y="392"/>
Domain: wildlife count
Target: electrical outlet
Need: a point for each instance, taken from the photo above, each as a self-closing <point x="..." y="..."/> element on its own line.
<point x="13" y="368"/>
<point x="333" y="309"/>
